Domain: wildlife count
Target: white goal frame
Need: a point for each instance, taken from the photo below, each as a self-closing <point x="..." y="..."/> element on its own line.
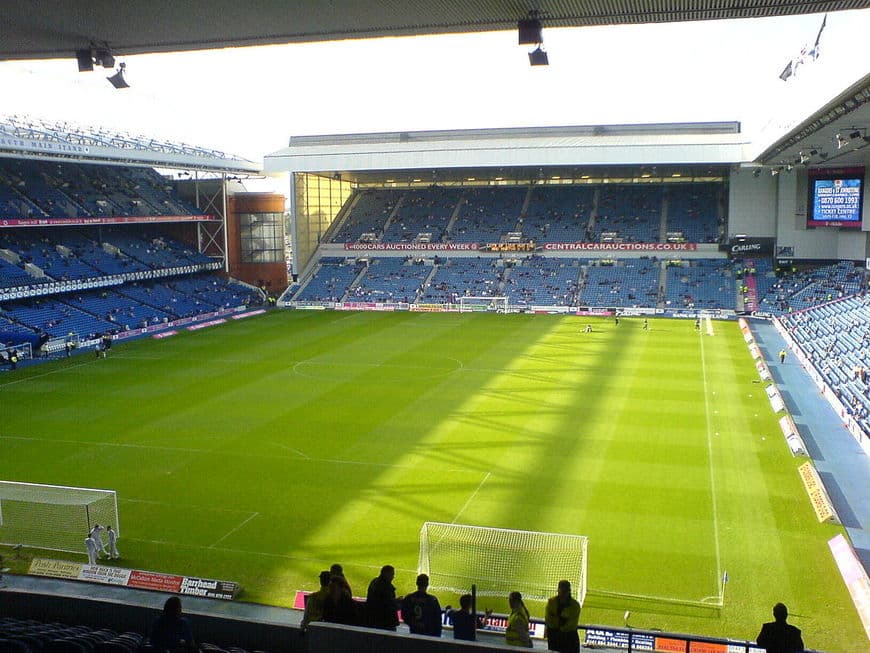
<point x="500" y="560"/>
<point x="54" y="517"/>
<point x="471" y="304"/>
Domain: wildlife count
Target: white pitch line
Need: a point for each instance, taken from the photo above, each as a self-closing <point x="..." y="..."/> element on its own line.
<point x="253" y="514"/>
<point x="710" y="463"/>
<point x="38" y="376"/>
<point x="262" y="554"/>
<point x="300" y="455"/>
<point x="471" y="498"/>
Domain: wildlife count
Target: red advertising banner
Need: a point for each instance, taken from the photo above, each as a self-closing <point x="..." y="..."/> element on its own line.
<point x="77" y="222"/>
<point x="148" y="580"/>
<point x="621" y="247"/>
<point x="410" y="247"/>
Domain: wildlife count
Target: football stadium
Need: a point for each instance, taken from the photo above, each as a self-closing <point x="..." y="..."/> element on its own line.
<point x="630" y="356"/>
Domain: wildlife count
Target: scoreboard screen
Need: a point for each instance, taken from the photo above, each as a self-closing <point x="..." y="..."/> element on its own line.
<point x="835" y="197"/>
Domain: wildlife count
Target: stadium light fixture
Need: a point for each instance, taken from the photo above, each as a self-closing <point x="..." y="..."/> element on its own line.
<point x="85" y="60"/>
<point x="529" y="30"/>
<point x="117" y="80"/>
<point x="538" y="57"/>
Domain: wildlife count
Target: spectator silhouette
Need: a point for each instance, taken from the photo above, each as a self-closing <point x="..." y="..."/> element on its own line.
<point x="171" y="631"/>
<point x="562" y="616"/>
<point x="778" y="636"/>
<point x="464" y="626"/>
<point x="314" y="601"/>
<point x="421" y="611"/>
<point x="381" y="606"/>
<point x="338" y="607"/>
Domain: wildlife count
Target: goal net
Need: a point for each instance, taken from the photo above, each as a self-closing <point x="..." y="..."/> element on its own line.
<point x="483" y="304"/>
<point x="500" y="561"/>
<point x="53" y="517"/>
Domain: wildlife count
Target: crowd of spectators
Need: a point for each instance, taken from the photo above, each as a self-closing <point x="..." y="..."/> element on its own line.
<point x="835" y="337"/>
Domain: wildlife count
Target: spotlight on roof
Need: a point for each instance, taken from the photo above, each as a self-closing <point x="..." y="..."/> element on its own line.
<point x="855" y="134"/>
<point x="85" y="60"/>
<point x="804" y="158"/>
<point x="117" y="80"/>
<point x="538" y="57"/>
<point x="774" y="172"/>
<point x="813" y="152"/>
<point x="842" y="141"/>
<point x="103" y="57"/>
<point x="529" y="30"/>
<point x="788" y="167"/>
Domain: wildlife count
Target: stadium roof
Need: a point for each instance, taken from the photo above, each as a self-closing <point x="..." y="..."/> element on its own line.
<point x="25" y="137"/>
<point x="677" y="149"/>
<point x="57" y="28"/>
<point x="845" y="115"/>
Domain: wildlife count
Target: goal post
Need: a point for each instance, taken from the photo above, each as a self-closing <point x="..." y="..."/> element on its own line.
<point x="499" y="561"/>
<point x="53" y="517"/>
<point x="475" y="304"/>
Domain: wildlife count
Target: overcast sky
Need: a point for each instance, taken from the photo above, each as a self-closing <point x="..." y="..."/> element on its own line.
<point x="249" y="101"/>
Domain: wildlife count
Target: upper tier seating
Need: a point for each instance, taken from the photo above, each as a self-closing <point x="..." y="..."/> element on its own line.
<point x="368" y="215"/>
<point x="693" y="209"/>
<point x="487" y="214"/>
<point x="48" y="189"/>
<point x="633" y="213"/>
<point x="559" y="214"/>
<point x="423" y="211"/>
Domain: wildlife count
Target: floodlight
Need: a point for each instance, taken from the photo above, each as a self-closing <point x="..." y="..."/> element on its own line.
<point x="804" y="158"/>
<point x="85" y="60"/>
<point x="855" y="134"/>
<point x="774" y="172"/>
<point x="538" y="57"/>
<point x="813" y="152"/>
<point x="103" y="57"/>
<point x="842" y="141"/>
<point x="117" y="80"/>
<point x="529" y="30"/>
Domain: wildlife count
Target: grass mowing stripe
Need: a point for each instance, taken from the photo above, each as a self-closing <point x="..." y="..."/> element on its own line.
<point x="608" y="434"/>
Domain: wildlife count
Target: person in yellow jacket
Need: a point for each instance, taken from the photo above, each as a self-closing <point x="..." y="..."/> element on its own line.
<point x="517" y="632"/>
<point x="561" y="619"/>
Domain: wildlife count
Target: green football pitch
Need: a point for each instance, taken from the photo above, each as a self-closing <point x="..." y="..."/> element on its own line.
<point x="264" y="450"/>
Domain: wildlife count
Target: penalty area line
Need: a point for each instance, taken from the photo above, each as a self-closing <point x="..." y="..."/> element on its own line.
<point x="250" y="517"/>
<point x="471" y="498"/>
